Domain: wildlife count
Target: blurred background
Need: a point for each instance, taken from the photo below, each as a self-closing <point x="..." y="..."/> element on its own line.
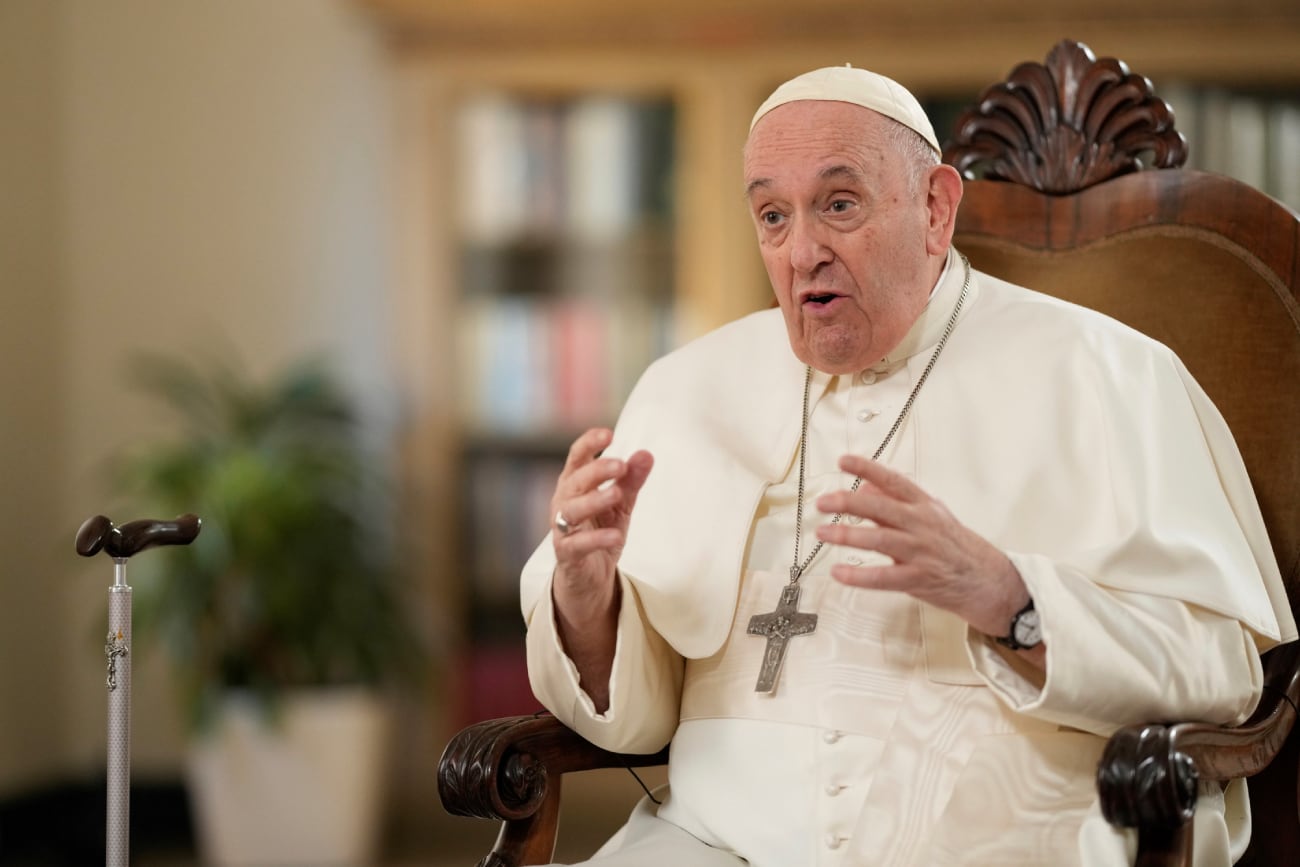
<point x="482" y="220"/>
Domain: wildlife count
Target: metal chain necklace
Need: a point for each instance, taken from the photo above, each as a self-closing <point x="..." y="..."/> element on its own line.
<point x="786" y="621"/>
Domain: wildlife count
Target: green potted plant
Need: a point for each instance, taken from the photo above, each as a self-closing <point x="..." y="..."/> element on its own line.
<point x="284" y="618"/>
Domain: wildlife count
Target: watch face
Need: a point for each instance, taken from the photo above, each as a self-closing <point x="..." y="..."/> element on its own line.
<point x="1026" y="631"/>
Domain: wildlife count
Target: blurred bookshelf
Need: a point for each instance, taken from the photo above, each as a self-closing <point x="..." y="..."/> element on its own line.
<point x="564" y="271"/>
<point x="1251" y="134"/>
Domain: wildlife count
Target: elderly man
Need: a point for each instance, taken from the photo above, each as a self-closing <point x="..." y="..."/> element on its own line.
<point x="888" y="564"/>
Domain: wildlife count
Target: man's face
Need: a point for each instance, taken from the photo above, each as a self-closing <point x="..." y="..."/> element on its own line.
<point x="847" y="241"/>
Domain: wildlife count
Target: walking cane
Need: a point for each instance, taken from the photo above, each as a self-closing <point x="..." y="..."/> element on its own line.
<point x="120" y="543"/>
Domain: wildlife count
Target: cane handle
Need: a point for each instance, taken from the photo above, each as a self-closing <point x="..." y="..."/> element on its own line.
<point x="98" y="534"/>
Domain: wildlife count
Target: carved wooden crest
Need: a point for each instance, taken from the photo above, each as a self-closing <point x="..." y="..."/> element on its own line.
<point x="1066" y="125"/>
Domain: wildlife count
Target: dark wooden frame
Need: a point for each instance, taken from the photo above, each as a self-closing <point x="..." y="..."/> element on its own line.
<point x="1048" y="155"/>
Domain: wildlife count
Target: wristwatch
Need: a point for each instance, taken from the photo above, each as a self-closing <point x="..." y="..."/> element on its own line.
<point x="1025" y="630"/>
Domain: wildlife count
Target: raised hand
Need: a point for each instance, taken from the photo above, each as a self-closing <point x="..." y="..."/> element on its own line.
<point x="592" y="506"/>
<point x="937" y="559"/>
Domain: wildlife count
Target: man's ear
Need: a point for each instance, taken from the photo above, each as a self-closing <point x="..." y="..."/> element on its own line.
<point x="943" y="195"/>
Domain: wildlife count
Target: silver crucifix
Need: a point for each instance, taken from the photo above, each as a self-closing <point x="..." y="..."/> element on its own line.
<point x="115" y="647"/>
<point x="778" y="627"/>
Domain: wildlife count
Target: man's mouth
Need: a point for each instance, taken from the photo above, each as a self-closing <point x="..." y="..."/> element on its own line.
<point x="819" y="298"/>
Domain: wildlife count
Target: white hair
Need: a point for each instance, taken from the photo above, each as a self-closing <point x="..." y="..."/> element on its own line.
<point x="918" y="156"/>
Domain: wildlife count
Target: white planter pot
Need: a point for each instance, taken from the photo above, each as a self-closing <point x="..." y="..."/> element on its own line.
<point x="305" y="791"/>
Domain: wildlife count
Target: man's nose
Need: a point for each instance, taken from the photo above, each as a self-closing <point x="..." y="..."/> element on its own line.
<point x="808" y="249"/>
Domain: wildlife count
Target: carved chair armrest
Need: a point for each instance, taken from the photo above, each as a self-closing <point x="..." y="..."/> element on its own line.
<point x="510" y="769"/>
<point x="1148" y="774"/>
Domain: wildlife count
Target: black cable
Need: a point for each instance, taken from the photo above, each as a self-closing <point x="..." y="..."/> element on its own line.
<point x="644" y="788"/>
<point x="1282" y="694"/>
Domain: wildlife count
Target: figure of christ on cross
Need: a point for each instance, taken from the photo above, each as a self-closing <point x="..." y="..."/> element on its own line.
<point x="779" y="627"/>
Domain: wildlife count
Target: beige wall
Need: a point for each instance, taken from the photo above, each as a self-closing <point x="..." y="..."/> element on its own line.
<point x="31" y="695"/>
<point x="206" y="176"/>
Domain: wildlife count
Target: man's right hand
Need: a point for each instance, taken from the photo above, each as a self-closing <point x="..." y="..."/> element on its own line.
<point x="595" y="495"/>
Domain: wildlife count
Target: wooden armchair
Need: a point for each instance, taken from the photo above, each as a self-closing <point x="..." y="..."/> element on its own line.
<point x="1055" y="200"/>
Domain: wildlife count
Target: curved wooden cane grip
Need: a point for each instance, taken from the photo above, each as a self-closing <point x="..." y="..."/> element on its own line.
<point x="98" y="533"/>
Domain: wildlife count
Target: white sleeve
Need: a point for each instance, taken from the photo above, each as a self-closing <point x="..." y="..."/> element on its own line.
<point x="645" y="684"/>
<point x="1116" y="657"/>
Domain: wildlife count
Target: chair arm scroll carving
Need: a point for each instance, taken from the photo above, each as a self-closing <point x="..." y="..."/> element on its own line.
<point x="483" y="773"/>
<point x="1148" y="774"/>
<point x="1145" y="781"/>
<point x="511" y="769"/>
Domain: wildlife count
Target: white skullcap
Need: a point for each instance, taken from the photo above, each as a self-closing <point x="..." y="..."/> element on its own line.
<point x="860" y="87"/>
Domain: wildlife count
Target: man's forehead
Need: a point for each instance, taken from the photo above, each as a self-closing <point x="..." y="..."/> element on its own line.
<point x="799" y="145"/>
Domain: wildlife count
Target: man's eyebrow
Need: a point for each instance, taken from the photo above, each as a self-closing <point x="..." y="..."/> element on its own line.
<point x="840" y="171"/>
<point x="836" y="172"/>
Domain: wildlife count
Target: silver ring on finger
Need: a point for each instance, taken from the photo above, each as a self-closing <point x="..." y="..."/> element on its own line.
<point x="562" y="524"/>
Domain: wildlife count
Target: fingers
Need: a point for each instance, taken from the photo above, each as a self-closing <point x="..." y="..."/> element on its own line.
<point x="595" y="492"/>
<point x="882" y="478"/>
<point x="891" y="576"/>
<point x="638" y="468"/>
<point x="884" y="496"/>
<point x="898" y="545"/>
<point x="587" y="447"/>
<point x="586" y="507"/>
<point x="584" y="541"/>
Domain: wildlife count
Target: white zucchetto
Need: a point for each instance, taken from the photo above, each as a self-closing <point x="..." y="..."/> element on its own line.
<point x="860" y="87"/>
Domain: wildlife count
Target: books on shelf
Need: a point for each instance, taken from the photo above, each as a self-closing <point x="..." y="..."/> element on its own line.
<point x="544" y="365"/>
<point x="585" y="168"/>
<point x="1251" y="136"/>
<point x="601" y="156"/>
<point x="493" y="682"/>
<point x="566" y="262"/>
<point x="492" y="158"/>
<point x="566" y="269"/>
<point x="1284" y="153"/>
<point x="509" y="499"/>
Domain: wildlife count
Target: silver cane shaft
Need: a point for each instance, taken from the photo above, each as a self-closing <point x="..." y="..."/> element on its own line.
<point x="99" y="534"/>
<point x="117" y="651"/>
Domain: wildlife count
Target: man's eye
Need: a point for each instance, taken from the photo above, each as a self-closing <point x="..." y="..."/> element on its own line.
<point x="770" y="218"/>
<point x="839" y="206"/>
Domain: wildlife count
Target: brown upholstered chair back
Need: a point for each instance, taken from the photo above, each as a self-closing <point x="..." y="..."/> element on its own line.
<point x="1205" y="264"/>
<point x="1228" y="315"/>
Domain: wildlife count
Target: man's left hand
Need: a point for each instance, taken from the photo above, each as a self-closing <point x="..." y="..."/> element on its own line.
<point x="937" y="559"/>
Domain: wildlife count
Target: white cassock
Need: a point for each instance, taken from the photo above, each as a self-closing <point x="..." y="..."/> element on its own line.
<point x="896" y="736"/>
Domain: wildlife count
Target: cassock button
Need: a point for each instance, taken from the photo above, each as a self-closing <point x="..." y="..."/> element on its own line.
<point x="833" y="840"/>
<point x="854" y="560"/>
<point x="832" y="789"/>
<point x="830" y="736"/>
<point x="868" y="377"/>
<point x="867" y="414"/>
<point x="853" y="519"/>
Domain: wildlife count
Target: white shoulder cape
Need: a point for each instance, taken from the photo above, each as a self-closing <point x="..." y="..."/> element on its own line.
<point x="1050" y="429"/>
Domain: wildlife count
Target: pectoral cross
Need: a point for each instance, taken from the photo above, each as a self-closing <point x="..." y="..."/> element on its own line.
<point x="779" y="627"/>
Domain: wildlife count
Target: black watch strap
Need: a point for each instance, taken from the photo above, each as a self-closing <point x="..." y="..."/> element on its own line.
<point x="1026" y="615"/>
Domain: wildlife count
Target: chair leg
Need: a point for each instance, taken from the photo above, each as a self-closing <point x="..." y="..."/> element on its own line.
<point x="530" y="840"/>
<point x="1165" y="848"/>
